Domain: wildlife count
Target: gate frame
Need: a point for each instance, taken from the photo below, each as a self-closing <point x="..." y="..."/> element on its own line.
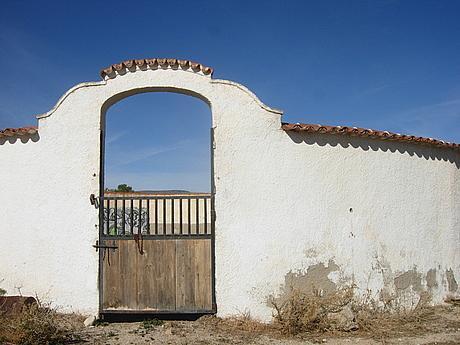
<point x="102" y="132"/>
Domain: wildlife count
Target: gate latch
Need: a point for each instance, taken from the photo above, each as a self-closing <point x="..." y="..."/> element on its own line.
<point x="94" y="200"/>
<point x="97" y="246"/>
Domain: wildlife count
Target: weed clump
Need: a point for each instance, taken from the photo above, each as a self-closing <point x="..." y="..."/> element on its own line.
<point x="149" y="324"/>
<point x="381" y="320"/>
<point x="36" y="324"/>
<point x="304" y="312"/>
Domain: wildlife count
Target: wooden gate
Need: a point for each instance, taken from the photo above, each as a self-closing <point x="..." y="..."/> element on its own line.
<point x="156" y="253"/>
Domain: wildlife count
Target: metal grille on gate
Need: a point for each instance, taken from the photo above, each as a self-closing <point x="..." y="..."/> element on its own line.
<point x="157" y="215"/>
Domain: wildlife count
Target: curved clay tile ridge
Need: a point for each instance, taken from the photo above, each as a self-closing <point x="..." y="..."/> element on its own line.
<point x="14" y="132"/>
<point x="364" y="132"/>
<point x="155" y="63"/>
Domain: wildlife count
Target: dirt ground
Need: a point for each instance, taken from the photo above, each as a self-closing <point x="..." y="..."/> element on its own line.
<point x="441" y="326"/>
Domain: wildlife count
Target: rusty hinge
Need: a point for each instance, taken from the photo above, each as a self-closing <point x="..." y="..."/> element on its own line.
<point x="94" y="200"/>
<point x="213" y="215"/>
<point x="97" y="246"/>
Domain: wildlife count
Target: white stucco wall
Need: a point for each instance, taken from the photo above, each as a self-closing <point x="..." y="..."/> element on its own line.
<point x="282" y="199"/>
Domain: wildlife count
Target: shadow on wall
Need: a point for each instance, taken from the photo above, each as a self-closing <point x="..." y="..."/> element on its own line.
<point x="23" y="139"/>
<point x="413" y="149"/>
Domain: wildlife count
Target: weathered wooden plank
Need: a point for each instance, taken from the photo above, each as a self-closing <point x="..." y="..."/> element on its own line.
<point x="109" y="284"/>
<point x="157" y="276"/>
<point x="118" y="279"/>
<point x="193" y="275"/>
<point x="203" y="281"/>
<point x="129" y="272"/>
<point x="183" y="275"/>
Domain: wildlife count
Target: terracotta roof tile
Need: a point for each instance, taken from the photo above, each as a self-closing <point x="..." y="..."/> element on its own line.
<point x="132" y="65"/>
<point x="364" y="132"/>
<point x="12" y="132"/>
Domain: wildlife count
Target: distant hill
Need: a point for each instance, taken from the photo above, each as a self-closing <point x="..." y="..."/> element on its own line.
<point x="166" y="191"/>
<point x="157" y="192"/>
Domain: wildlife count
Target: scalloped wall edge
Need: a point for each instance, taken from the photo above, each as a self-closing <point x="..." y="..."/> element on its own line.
<point x="366" y="133"/>
<point x="18" y="132"/>
<point x="134" y="65"/>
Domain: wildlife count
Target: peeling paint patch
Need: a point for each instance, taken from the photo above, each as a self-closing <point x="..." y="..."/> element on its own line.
<point x="311" y="253"/>
<point x="407" y="279"/>
<point x="431" y="281"/>
<point x="451" y="282"/>
<point x="314" y="281"/>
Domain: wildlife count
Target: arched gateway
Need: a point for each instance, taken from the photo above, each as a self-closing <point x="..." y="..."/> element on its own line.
<point x="292" y="206"/>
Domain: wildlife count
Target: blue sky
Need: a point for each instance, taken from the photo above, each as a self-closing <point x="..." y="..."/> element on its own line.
<point x="391" y="65"/>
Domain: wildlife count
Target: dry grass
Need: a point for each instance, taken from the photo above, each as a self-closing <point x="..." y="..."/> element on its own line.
<point x="242" y="323"/>
<point x="38" y="324"/>
<point x="407" y="322"/>
<point x="301" y="312"/>
<point x="311" y="316"/>
<point x="341" y="313"/>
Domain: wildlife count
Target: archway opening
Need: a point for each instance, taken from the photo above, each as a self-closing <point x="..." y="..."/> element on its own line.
<point x="156" y="209"/>
<point x="158" y="141"/>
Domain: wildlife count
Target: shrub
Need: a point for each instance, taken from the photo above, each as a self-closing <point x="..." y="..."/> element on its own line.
<point x="36" y="324"/>
<point x="148" y="324"/>
<point x="306" y="312"/>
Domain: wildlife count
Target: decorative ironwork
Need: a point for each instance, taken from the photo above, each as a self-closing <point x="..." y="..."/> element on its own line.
<point x="165" y="216"/>
<point x="131" y="225"/>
